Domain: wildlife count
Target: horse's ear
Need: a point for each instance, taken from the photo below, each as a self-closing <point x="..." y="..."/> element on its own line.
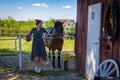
<point x="54" y="21"/>
<point x="36" y="20"/>
<point x="62" y="22"/>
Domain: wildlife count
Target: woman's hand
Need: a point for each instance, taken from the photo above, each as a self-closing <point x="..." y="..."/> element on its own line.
<point x="28" y="38"/>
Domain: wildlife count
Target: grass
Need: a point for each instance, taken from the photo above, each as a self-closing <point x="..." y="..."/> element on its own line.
<point x="5" y="70"/>
<point x="68" y="45"/>
<point x="8" y="46"/>
<point x="45" y="73"/>
<point x="8" y="54"/>
<point x="7" y="50"/>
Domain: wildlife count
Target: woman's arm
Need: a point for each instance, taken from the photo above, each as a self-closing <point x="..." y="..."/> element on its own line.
<point x="44" y="33"/>
<point x="28" y="36"/>
<point x="31" y="32"/>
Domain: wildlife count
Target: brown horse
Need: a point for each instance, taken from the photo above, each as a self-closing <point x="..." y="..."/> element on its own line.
<point x="54" y="41"/>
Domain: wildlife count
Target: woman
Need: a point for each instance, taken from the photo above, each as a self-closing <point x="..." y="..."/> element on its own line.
<point x="38" y="46"/>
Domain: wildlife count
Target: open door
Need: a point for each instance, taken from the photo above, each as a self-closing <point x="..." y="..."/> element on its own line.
<point x="93" y="42"/>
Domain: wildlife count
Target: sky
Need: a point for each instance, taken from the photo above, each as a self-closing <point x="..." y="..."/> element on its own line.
<point x="38" y="9"/>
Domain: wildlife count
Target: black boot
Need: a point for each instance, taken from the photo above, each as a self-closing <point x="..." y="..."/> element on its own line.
<point x="49" y="56"/>
<point x="66" y="65"/>
<point x="53" y="62"/>
<point x="59" y="65"/>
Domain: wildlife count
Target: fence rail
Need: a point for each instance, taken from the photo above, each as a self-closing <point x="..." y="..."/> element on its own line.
<point x="66" y="36"/>
<point x="15" y="39"/>
<point x="18" y="39"/>
<point x="8" y="39"/>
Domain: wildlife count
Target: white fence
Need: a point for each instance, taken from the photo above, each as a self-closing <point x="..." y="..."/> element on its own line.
<point x="20" y="47"/>
<point x="15" y="42"/>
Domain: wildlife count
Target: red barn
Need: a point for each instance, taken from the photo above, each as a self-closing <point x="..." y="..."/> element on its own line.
<point x="87" y="33"/>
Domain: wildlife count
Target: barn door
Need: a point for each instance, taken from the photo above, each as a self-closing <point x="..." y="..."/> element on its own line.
<point x="93" y="36"/>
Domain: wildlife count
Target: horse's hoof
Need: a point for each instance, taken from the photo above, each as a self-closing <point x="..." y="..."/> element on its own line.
<point x="54" y="67"/>
<point x="66" y="69"/>
<point x="49" y="57"/>
<point x="59" y="67"/>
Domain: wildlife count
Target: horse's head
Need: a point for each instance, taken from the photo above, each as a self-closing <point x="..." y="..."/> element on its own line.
<point x="58" y="27"/>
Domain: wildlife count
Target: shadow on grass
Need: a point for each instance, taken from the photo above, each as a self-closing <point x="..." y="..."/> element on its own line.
<point x="43" y="73"/>
<point x="29" y="73"/>
<point x="46" y="73"/>
<point x="7" y="50"/>
<point x="10" y="52"/>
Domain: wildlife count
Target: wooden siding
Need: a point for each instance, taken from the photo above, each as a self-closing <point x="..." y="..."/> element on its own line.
<point x="81" y="34"/>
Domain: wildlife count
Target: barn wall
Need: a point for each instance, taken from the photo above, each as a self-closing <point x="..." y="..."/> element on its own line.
<point x="81" y="34"/>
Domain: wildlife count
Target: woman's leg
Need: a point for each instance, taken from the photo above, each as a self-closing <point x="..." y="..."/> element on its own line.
<point x="38" y="61"/>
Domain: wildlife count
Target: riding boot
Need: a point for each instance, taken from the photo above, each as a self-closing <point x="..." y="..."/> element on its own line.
<point x="66" y="65"/>
<point x="49" y="56"/>
<point x="53" y="63"/>
<point x="59" y="65"/>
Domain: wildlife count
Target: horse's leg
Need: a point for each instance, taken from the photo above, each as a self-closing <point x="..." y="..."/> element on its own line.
<point x="49" y="54"/>
<point x="53" y="62"/>
<point x="59" y="55"/>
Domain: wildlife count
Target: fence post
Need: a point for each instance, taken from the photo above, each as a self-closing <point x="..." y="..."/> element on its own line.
<point x="16" y="45"/>
<point x="20" y="52"/>
<point x="0" y="31"/>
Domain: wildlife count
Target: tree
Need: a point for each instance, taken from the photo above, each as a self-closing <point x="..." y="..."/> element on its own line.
<point x="49" y="23"/>
<point x="10" y="25"/>
<point x="72" y="28"/>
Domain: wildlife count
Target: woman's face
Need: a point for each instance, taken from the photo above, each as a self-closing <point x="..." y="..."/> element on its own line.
<point x="39" y="25"/>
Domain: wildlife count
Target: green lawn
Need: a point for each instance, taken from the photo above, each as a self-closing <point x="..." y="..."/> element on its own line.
<point x="8" y="46"/>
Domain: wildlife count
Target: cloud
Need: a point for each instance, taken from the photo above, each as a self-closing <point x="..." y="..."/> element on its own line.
<point x="20" y="8"/>
<point x="67" y="6"/>
<point x="40" y="5"/>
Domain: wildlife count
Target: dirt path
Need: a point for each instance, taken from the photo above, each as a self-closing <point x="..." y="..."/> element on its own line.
<point x="27" y="73"/>
<point x="13" y="62"/>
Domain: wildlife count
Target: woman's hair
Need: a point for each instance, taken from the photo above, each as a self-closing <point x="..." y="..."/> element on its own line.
<point x="38" y="21"/>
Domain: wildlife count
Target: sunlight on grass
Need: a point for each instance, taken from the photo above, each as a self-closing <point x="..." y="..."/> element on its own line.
<point x="26" y="46"/>
<point x="5" y="70"/>
<point x="8" y="46"/>
<point x="68" y="45"/>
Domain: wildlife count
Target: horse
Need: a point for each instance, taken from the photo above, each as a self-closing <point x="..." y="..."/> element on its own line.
<point x="54" y="41"/>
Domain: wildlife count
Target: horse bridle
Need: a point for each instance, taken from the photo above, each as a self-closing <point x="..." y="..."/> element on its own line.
<point x="52" y="35"/>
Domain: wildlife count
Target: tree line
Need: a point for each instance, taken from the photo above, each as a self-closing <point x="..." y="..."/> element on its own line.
<point x="10" y="26"/>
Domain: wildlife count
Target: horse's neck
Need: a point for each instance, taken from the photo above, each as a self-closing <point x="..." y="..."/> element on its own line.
<point x="57" y="32"/>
